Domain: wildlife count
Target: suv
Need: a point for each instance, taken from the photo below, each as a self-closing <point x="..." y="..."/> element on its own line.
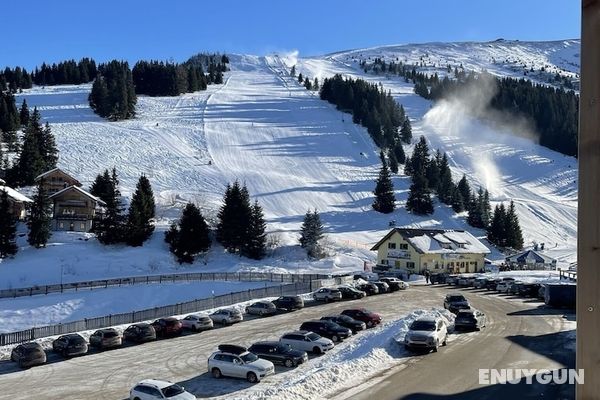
<point x="382" y="287"/>
<point x="395" y="284"/>
<point x="69" y="345"/>
<point x="279" y="353"/>
<point x="28" y="355"/>
<point x="455" y="302"/>
<point x="238" y="362"/>
<point x="261" y="308"/>
<point x="369" y="288"/>
<point x="105" y="338"/>
<point x="289" y="303"/>
<point x="227" y="316"/>
<point x="167" y="327"/>
<point x="360" y="314"/>
<point x="348" y="292"/>
<point x="346" y="322"/>
<point x="197" y="322"/>
<point x="327" y="329"/>
<point x="327" y="294"/>
<point x="139" y="333"/>
<point x="155" y="389"/>
<point x="307" y="341"/>
<point x="426" y="333"/>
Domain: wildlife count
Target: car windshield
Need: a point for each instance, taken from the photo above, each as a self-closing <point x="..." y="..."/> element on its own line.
<point x="172" y="390"/>
<point x="110" y="334"/>
<point x="465" y="315"/>
<point x="283" y="348"/>
<point x="456" y="298"/>
<point x="313" y="336"/>
<point x="423" y="326"/>
<point x="249" y="357"/>
<point x="344" y="318"/>
<point x="76" y="339"/>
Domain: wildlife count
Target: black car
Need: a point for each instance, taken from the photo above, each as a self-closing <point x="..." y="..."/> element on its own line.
<point x="529" y="290"/>
<point x="279" y="353"/>
<point x="289" y="303"/>
<point x="327" y="329"/>
<point x="139" y="333"/>
<point x="455" y="302"/>
<point x="28" y="355"/>
<point x="351" y="293"/>
<point x="469" y="320"/>
<point x="492" y="283"/>
<point x="439" y="277"/>
<point x="69" y="345"/>
<point x="369" y="288"/>
<point x="346" y="322"/>
<point x="382" y="286"/>
<point x="393" y="283"/>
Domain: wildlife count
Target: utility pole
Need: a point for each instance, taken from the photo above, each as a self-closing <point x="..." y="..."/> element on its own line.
<point x="588" y="221"/>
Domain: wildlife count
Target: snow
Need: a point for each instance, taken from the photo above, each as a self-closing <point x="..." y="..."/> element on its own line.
<point x="459" y="242"/>
<point x="15" y="195"/>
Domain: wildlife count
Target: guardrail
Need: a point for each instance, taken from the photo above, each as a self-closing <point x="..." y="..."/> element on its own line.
<point x="157" y="312"/>
<point x="171" y="278"/>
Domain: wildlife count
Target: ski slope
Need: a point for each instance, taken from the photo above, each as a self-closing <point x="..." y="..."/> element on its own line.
<point x="294" y="152"/>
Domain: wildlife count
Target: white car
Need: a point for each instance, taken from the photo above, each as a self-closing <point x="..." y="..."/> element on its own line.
<point x="503" y="286"/>
<point x="426" y="333"/>
<point x="327" y="294"/>
<point x="151" y="389"/>
<point x="226" y="316"/>
<point x="307" y="341"/>
<point x="197" y="322"/>
<point x="238" y="362"/>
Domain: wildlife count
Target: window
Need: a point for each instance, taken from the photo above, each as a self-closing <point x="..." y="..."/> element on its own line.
<point x="384" y="262"/>
<point x="397" y="264"/>
<point x="61" y="225"/>
<point x="82" y="226"/>
<point x="410" y="264"/>
<point x="403" y="246"/>
<point x="391" y="245"/>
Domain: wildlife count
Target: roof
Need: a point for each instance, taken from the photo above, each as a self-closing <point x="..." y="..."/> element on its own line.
<point x="80" y="190"/>
<point x="14" y="195"/>
<point x="55" y="170"/>
<point x="531" y="257"/>
<point x="155" y="383"/>
<point x="429" y="241"/>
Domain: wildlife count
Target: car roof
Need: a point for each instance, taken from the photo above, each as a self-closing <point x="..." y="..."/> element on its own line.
<point x="232" y="348"/>
<point x="467" y="311"/>
<point x="31" y="345"/>
<point x="428" y="318"/>
<point x="107" y="330"/>
<point x="267" y="343"/>
<point x="155" y="383"/>
<point x="141" y="325"/>
<point x="299" y="332"/>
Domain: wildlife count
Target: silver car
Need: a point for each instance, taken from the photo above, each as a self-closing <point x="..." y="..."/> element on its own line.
<point x="261" y="308"/>
<point x="226" y="316"/>
<point x="197" y="322"/>
<point x="238" y="362"/>
<point x="327" y="294"/>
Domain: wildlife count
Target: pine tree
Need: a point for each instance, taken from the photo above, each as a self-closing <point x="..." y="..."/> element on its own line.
<point x="110" y="227"/>
<point x="311" y="232"/>
<point x="446" y="187"/>
<point x="31" y="163"/>
<point x="514" y="235"/>
<point x="486" y="209"/>
<point x="465" y="191"/>
<point x="406" y="131"/>
<point x="432" y="173"/>
<point x="24" y="113"/>
<point x="315" y="84"/>
<point x="47" y="147"/>
<point x="399" y="153"/>
<point x="141" y="212"/>
<point x="256" y="242"/>
<point x="385" y="200"/>
<point x="39" y="218"/>
<point x="456" y="200"/>
<point x="8" y="228"/>
<point x="98" y="98"/>
<point x="293" y="71"/>
<point x="497" y="230"/>
<point x="420" y="157"/>
<point x="393" y="161"/>
<point x="419" y="200"/>
<point x="234" y="218"/>
<point x="300" y="78"/>
<point x="190" y="236"/>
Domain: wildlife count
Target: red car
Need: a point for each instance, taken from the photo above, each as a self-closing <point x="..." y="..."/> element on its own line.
<point x="371" y="319"/>
<point x="167" y="327"/>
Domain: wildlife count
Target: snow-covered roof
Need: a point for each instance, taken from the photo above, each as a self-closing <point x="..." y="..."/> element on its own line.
<point x="55" y="170"/>
<point x="438" y="241"/>
<point x="77" y="188"/>
<point x="16" y="196"/>
<point x="530" y="257"/>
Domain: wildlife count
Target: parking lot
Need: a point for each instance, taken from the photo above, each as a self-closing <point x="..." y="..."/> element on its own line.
<point x="518" y="333"/>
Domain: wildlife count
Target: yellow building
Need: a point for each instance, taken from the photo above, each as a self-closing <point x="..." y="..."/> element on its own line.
<point x="435" y="250"/>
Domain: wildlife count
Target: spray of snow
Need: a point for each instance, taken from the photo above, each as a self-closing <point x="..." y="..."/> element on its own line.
<point x="290" y="58"/>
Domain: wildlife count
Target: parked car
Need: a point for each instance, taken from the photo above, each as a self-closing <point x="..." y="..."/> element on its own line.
<point x="197" y="322"/>
<point x="237" y="362"/>
<point x="465" y="280"/>
<point x="139" y="333"/>
<point x="454" y="302"/>
<point x="28" y="355"/>
<point x="395" y="283"/>
<point x="502" y="286"/>
<point x="327" y="295"/>
<point x="346" y="322"/>
<point x="371" y="319"/>
<point x="155" y="389"/>
<point x="279" y="353"/>
<point x="469" y="319"/>
<point x="106" y="338"/>
<point x="369" y="288"/>
<point x="70" y="345"/>
<point x="438" y="277"/>
<point x="226" y="316"/>
<point x="529" y="290"/>
<point x="167" y="327"/>
<point x="307" y="341"/>
<point x="426" y="333"/>
<point x="479" y="283"/>
<point x="515" y="287"/>
<point x="349" y="292"/>
<point x="451" y="279"/>
<point x="382" y="287"/>
<point x="289" y="303"/>
<point x="541" y="294"/>
<point x="327" y="329"/>
<point x="261" y="308"/>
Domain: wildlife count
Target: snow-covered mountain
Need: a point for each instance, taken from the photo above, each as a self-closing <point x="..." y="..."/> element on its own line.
<point x="296" y="152"/>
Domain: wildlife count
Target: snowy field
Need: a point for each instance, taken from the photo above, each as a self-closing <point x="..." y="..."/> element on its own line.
<point x="295" y="153"/>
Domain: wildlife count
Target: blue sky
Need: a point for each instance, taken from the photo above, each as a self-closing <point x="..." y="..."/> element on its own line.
<point x="51" y="31"/>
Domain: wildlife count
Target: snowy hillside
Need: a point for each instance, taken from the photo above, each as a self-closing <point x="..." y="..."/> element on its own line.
<point x="296" y="152"/>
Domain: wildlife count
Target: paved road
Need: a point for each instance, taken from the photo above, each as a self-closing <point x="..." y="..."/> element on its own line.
<point x="109" y="375"/>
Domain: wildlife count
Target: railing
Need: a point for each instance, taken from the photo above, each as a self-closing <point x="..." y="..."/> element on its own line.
<point x="568" y="275"/>
<point x="157" y="312"/>
<point x="171" y="278"/>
